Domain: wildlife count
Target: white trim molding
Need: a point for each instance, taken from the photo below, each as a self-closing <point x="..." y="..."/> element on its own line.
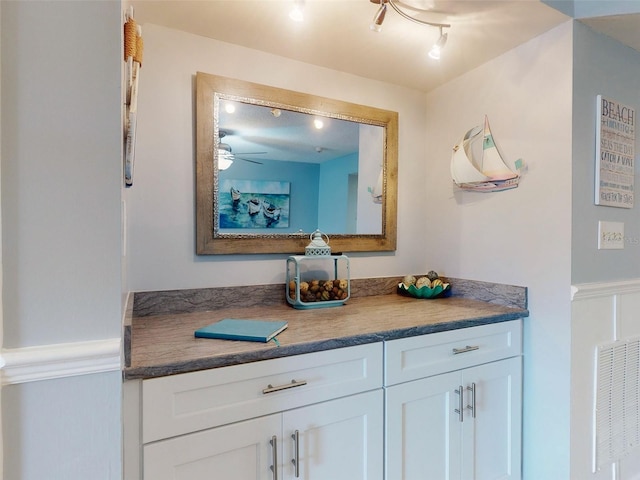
<point x="46" y="362"/>
<point x="604" y="289"/>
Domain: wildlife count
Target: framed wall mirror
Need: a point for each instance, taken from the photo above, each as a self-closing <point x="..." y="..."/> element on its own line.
<point x="274" y="165"/>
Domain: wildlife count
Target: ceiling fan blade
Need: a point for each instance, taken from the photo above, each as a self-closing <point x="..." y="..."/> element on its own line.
<point x="250" y="153"/>
<point x="248" y="160"/>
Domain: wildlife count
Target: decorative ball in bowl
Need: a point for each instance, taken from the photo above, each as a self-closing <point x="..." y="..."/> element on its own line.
<point x="429" y="286"/>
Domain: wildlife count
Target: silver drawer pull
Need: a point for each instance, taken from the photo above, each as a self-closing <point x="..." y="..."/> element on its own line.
<point x="274" y="467"/>
<point x="270" y="388"/>
<point x="468" y="348"/>
<point x="472" y="407"/>
<point x="296" y="452"/>
<point x="460" y="409"/>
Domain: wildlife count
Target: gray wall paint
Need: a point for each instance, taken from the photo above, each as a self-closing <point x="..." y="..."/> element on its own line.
<point x="594" y="8"/>
<point x="61" y="166"/>
<point x="61" y="184"/>
<point x="601" y="66"/>
<point x="67" y="429"/>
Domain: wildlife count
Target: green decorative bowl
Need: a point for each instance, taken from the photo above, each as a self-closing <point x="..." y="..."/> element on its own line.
<point x="424" y="292"/>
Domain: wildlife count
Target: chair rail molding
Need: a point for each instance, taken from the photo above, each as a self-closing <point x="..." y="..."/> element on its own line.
<point x="46" y="362"/>
<point x="604" y="289"/>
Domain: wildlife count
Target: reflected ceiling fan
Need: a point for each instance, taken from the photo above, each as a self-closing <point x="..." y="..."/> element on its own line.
<point x="226" y="155"/>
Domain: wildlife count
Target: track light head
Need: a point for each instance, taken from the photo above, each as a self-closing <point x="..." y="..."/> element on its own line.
<point x="376" y="25"/>
<point x="437" y="47"/>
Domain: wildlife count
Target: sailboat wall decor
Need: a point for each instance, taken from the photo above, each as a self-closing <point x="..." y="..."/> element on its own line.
<point x="491" y="173"/>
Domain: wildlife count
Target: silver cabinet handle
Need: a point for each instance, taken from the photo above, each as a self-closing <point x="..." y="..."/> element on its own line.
<point x="468" y="348"/>
<point x="460" y="409"/>
<point x="296" y="452"/>
<point x="472" y="407"/>
<point x="274" y="450"/>
<point x="270" y="388"/>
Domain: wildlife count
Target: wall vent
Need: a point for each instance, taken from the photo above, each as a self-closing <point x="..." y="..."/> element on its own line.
<point x="617" y="402"/>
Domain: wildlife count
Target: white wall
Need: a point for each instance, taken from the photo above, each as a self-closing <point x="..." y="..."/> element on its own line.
<point x="521" y="236"/>
<point x="1" y="308"/>
<point x="161" y="202"/>
<point x="61" y="178"/>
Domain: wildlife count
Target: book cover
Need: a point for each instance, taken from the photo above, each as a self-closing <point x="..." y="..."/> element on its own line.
<point x="239" y="329"/>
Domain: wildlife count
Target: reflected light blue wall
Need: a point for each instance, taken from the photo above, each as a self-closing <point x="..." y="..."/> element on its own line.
<point x="334" y="193"/>
<point x="303" y="179"/>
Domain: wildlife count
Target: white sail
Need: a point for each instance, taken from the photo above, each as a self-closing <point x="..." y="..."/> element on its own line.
<point x="462" y="168"/>
<point x="491" y="174"/>
<point x="493" y="165"/>
<point x="378" y="191"/>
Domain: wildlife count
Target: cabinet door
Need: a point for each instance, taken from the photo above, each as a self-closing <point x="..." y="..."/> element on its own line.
<point x="240" y="451"/>
<point x="492" y="439"/>
<point x="423" y="431"/>
<point x="338" y="440"/>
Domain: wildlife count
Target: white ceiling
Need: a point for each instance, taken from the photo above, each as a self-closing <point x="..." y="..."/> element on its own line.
<point x="336" y="34"/>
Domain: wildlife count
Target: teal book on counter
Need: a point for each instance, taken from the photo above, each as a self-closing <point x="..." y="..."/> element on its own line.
<point x="240" y="329"/>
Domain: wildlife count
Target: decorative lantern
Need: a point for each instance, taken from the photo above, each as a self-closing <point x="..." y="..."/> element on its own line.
<point x="317" y="278"/>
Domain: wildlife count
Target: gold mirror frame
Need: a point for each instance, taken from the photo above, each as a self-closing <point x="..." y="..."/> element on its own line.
<point x="211" y="242"/>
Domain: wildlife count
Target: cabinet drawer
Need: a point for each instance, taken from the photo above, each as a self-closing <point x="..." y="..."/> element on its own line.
<point x="422" y="356"/>
<point x="190" y="402"/>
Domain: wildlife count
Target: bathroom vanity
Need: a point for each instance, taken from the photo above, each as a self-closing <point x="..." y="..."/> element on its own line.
<point x="385" y="387"/>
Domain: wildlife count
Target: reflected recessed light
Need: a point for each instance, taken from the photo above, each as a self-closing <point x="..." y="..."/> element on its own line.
<point x="230" y="107"/>
<point x="297" y="13"/>
<point x="318" y="123"/>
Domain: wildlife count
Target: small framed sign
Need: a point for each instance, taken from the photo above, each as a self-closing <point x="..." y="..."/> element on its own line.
<point x="615" y="153"/>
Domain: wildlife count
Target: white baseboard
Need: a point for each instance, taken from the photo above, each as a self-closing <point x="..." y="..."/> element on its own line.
<point x="46" y="362"/>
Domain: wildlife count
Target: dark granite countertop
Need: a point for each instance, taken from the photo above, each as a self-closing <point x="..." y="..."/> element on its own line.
<point x="164" y="344"/>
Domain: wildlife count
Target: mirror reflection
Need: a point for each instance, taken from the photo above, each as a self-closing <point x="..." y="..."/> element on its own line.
<point x="295" y="172"/>
<point x="273" y="165"/>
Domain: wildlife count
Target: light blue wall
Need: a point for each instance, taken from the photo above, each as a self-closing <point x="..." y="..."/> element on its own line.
<point x="334" y="191"/>
<point x="318" y="195"/>
<point x="303" y="198"/>
<point x="601" y="66"/>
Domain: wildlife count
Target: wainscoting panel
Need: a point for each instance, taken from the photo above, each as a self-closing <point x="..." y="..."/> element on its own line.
<point x="605" y="319"/>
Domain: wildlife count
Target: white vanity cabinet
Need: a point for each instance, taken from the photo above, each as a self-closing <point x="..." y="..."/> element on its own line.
<point x="311" y="416"/>
<point x="453" y="404"/>
<point x="444" y="406"/>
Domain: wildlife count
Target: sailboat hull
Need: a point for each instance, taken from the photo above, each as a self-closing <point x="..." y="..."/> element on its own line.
<point x="491" y="186"/>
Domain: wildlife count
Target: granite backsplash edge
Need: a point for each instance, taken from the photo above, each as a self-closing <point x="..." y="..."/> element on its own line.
<point x="171" y="302"/>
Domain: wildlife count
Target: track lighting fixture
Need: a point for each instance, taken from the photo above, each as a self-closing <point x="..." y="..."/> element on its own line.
<point x="376" y="25"/>
<point x="437" y="47"/>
